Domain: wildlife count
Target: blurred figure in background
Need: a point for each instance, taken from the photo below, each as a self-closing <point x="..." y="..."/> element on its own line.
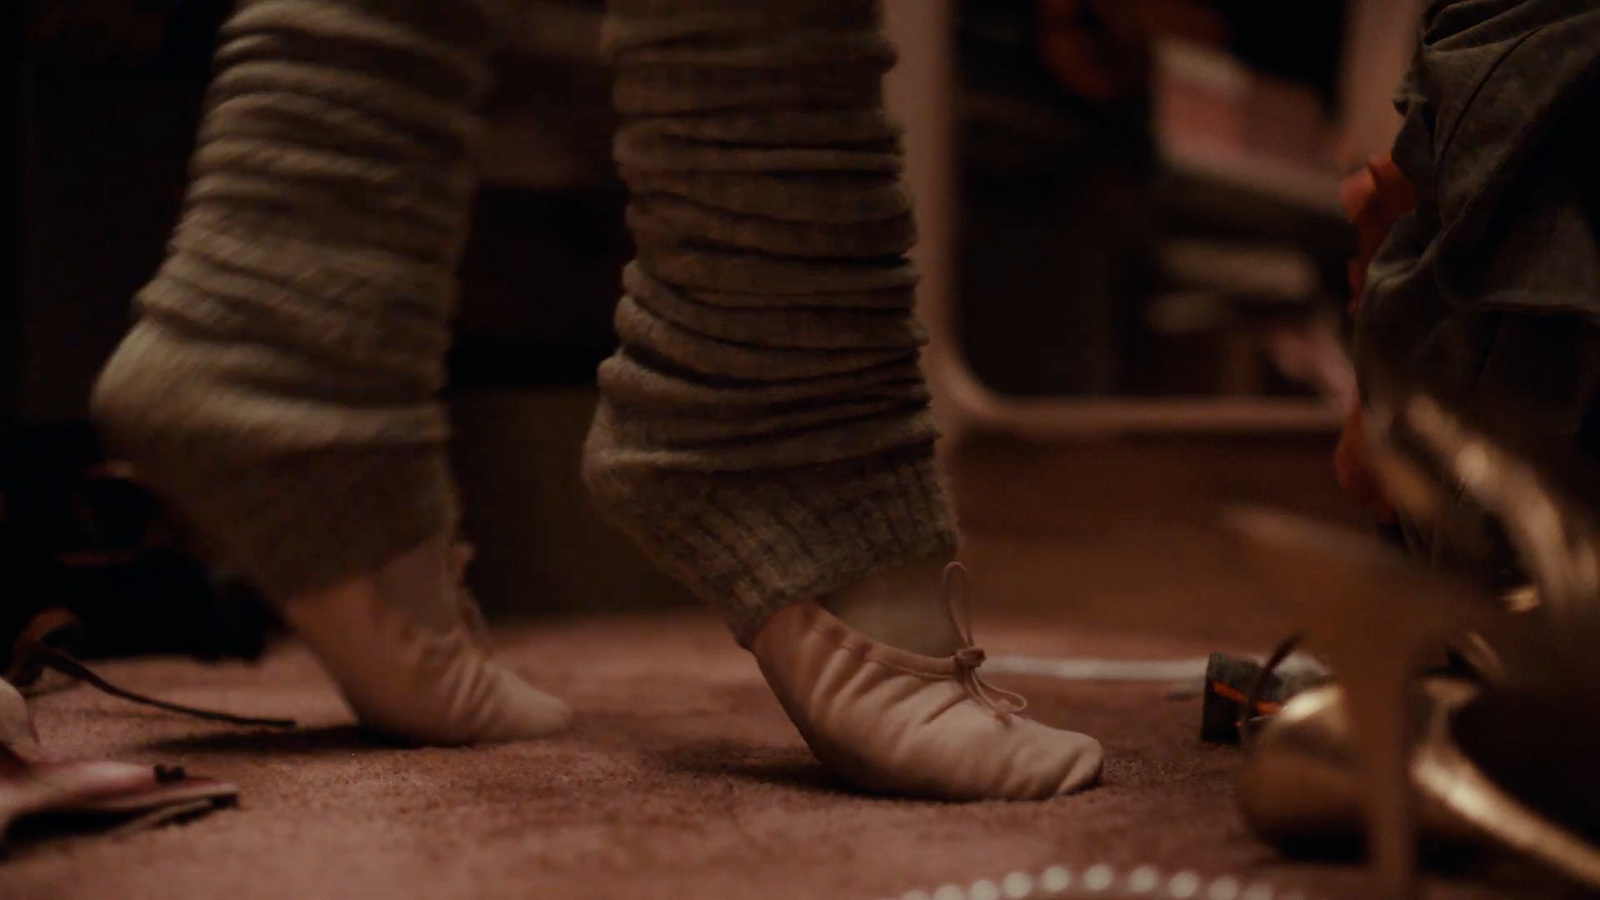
<point x="1478" y="271"/>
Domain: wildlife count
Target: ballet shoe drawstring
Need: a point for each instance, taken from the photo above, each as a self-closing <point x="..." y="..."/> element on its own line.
<point x="1004" y="704"/>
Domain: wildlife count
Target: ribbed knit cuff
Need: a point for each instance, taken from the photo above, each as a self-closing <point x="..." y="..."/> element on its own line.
<point x="306" y="521"/>
<point x="748" y="543"/>
<point x="380" y="503"/>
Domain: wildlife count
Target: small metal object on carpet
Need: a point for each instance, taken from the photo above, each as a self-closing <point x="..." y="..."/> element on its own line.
<point x="1106" y="883"/>
<point x="1240" y="689"/>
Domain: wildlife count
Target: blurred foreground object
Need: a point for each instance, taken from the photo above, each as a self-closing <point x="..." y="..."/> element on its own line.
<point x="42" y="794"/>
<point x="1492" y="759"/>
<point x="1475" y="286"/>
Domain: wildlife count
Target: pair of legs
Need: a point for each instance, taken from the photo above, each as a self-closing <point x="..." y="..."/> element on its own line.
<point x="764" y="433"/>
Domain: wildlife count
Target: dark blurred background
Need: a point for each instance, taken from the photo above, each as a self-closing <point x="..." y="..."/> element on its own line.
<point x="1112" y="238"/>
<point x="1146" y="190"/>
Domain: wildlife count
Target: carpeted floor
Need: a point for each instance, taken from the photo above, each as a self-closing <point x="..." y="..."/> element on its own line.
<point x="681" y="780"/>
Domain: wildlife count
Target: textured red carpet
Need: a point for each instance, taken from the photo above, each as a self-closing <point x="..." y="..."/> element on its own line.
<point x="682" y="780"/>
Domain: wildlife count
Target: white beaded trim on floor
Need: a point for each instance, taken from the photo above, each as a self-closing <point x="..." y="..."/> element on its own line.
<point x="1101" y="882"/>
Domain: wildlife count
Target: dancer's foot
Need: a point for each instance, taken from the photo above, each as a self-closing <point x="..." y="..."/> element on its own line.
<point x="894" y="721"/>
<point x="406" y="648"/>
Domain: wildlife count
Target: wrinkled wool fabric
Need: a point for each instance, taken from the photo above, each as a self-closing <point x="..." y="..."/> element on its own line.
<point x="1487" y="293"/>
<point x="764" y="433"/>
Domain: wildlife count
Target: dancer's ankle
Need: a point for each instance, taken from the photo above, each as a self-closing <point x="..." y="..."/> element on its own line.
<point x="903" y="607"/>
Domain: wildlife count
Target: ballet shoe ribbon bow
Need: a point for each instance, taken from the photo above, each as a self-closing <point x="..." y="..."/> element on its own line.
<point x="1004" y="704"/>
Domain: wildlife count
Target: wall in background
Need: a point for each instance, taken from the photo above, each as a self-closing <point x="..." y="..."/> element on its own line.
<point x="541" y="547"/>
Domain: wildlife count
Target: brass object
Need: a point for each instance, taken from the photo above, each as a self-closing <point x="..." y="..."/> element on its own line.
<point x="1300" y="786"/>
<point x="1348" y="760"/>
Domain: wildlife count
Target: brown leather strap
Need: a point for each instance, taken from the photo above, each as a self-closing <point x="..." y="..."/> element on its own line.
<point x="34" y="654"/>
<point x="53" y="627"/>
